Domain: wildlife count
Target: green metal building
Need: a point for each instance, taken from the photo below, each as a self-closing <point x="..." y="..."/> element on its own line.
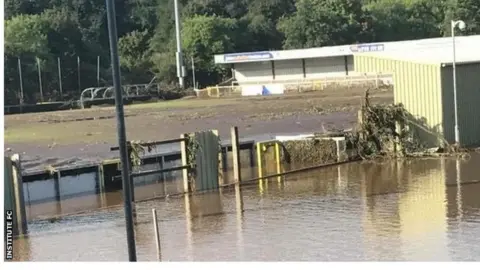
<point x="423" y="83"/>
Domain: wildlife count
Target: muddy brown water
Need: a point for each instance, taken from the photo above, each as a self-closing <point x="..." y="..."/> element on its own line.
<point x="420" y="210"/>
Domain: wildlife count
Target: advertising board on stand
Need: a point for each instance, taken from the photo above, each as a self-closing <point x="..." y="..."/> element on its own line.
<point x="263" y="90"/>
<point x="250" y="56"/>
<point x="367" y="48"/>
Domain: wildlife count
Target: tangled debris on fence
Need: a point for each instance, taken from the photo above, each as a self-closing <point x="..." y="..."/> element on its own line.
<point x="309" y="151"/>
<point x="386" y="131"/>
<point x="137" y="150"/>
<point x="192" y="149"/>
<point x="51" y="170"/>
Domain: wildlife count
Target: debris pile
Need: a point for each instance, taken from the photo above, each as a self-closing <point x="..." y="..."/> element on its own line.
<point x="390" y="131"/>
<point x="309" y="151"/>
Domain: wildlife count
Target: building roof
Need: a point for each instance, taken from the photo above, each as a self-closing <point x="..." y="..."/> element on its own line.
<point x="425" y="48"/>
<point x="466" y="51"/>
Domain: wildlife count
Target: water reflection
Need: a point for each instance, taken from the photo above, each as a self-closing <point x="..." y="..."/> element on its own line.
<point x="239" y="209"/>
<point x="398" y="210"/>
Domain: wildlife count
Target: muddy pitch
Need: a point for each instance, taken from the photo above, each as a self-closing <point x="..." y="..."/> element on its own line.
<point x="84" y="136"/>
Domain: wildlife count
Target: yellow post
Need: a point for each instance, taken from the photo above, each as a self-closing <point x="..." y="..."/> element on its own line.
<point x="184" y="151"/>
<point x="277" y="156"/>
<point x="259" y="159"/>
<point x="259" y="165"/>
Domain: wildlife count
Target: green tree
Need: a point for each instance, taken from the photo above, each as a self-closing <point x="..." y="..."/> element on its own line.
<point x="135" y="56"/>
<point x="67" y="29"/>
<point x="324" y="23"/>
<point x="13" y="8"/>
<point x="26" y="37"/>
<point x="469" y="12"/>
<point x="261" y="24"/>
<point x="401" y="20"/>
<point x="204" y="36"/>
<point x="221" y="8"/>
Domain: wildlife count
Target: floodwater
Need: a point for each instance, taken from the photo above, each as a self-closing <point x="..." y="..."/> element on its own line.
<point x="420" y="210"/>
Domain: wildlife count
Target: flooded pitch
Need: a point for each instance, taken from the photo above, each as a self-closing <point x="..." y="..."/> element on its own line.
<point x="425" y="209"/>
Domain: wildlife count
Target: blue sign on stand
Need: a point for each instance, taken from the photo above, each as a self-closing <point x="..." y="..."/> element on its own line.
<point x="251" y="56"/>
<point x="265" y="91"/>
<point x="367" y="48"/>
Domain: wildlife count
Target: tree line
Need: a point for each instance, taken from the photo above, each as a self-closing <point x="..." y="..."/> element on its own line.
<point x="68" y="30"/>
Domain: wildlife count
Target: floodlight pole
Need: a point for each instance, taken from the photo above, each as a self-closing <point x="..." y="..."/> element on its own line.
<point x="179" y="56"/>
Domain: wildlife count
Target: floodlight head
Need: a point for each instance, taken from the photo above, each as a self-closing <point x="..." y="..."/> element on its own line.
<point x="461" y="24"/>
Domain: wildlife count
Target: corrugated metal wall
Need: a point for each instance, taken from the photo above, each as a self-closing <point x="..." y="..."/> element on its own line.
<point x="417" y="87"/>
<point x="350" y="65"/>
<point x="325" y="67"/>
<point x="258" y="71"/>
<point x="288" y="70"/>
<point x="207" y="160"/>
<point x="468" y="95"/>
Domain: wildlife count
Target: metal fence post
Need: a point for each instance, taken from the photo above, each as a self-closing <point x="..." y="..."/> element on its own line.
<point x="40" y="79"/>
<point x="79" y="78"/>
<point x="21" y="81"/>
<point x="60" y="77"/>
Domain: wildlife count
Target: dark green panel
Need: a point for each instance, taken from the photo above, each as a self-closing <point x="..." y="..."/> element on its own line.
<point x="207" y="161"/>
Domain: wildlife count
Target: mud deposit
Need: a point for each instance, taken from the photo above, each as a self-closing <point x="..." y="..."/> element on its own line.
<point x="85" y="136"/>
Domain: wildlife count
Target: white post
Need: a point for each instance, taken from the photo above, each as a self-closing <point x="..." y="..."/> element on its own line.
<point x="193" y="72"/>
<point x="457" y="135"/>
<point x="461" y="25"/>
<point x="157" y="235"/>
